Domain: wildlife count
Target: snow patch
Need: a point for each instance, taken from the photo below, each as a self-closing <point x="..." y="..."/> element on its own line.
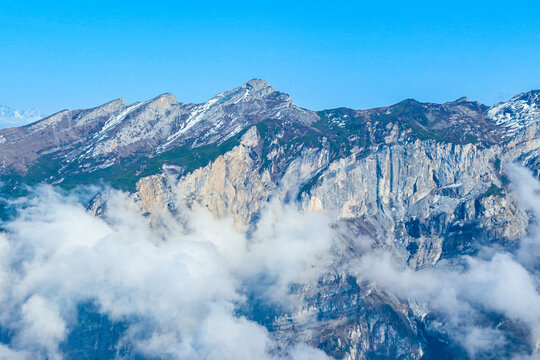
<point x="516" y="114"/>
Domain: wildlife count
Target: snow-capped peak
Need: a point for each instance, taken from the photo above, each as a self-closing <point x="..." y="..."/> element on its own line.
<point x="10" y="117"/>
<point x="518" y="113"/>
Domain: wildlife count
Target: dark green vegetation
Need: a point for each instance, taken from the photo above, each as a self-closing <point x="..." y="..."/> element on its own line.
<point x="497" y="164"/>
<point x="324" y="133"/>
<point x="493" y="190"/>
<point x="458" y="122"/>
<point x="125" y="173"/>
<point x="409" y="114"/>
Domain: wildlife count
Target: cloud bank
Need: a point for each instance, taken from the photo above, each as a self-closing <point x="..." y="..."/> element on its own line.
<point x="178" y="288"/>
<point x="179" y="282"/>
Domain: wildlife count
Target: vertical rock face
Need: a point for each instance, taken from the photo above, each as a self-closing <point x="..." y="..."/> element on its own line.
<point x="413" y="194"/>
<point x="424" y="181"/>
<point x="232" y="185"/>
<point x="424" y="200"/>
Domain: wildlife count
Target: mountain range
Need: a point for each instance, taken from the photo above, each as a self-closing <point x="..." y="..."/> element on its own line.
<point x="12" y="117"/>
<point x="431" y="185"/>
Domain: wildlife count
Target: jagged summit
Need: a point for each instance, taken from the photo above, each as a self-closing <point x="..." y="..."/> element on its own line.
<point x="112" y="105"/>
<point x="229" y="112"/>
<point x="113" y="131"/>
<point x="252" y="90"/>
<point x="258" y="83"/>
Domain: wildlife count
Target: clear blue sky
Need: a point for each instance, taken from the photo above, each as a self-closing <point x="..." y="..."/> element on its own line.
<point x="56" y="54"/>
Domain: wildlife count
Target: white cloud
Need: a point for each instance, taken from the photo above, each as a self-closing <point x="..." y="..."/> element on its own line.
<point x="528" y="188"/>
<point x="177" y="286"/>
<point x="9" y="354"/>
<point x="11" y="117"/>
<point x="41" y="326"/>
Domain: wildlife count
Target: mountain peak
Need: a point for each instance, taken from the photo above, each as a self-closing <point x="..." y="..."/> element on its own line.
<point x="254" y="89"/>
<point x="163" y="101"/>
<point x="169" y="97"/>
<point x="258" y="85"/>
<point x="13" y="117"/>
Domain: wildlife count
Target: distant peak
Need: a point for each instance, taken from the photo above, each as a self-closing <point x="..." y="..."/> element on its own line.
<point x="257" y="88"/>
<point x="15" y="117"/>
<point x="408" y="102"/>
<point x="517" y="113"/>
<point x="116" y="101"/>
<point x="463" y="99"/>
<point x="108" y="108"/>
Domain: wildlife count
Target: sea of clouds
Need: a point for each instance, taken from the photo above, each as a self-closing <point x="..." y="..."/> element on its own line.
<point x="178" y="285"/>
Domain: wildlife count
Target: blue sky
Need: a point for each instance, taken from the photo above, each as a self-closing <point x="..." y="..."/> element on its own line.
<point x="56" y="55"/>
